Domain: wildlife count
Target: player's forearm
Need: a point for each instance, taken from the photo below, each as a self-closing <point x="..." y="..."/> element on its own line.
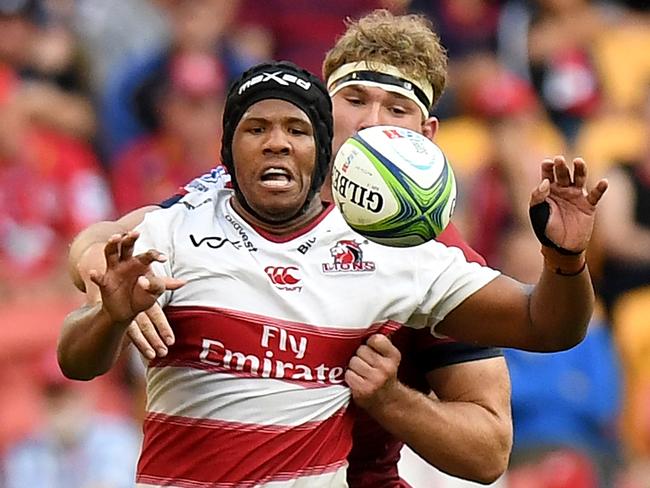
<point x="89" y="343"/>
<point x="463" y="439"/>
<point x="562" y="302"/>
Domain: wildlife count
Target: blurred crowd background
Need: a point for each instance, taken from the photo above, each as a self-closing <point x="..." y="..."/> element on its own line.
<point x="108" y="105"/>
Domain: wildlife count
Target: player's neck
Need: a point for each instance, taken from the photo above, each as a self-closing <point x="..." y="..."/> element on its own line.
<point x="326" y="189"/>
<point x="295" y="224"/>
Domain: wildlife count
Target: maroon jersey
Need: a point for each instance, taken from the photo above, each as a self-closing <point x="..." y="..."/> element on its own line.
<point x="375" y="452"/>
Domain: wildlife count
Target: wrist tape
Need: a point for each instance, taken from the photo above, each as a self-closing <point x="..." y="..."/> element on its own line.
<point x="539" y="215"/>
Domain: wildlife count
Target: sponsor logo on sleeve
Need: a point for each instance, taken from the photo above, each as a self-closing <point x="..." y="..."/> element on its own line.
<point x="187" y="200"/>
<point x="216" y="179"/>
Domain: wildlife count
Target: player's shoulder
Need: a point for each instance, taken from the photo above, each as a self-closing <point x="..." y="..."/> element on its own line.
<point x="456" y="251"/>
<point x="214" y="180"/>
<point x="192" y="208"/>
<point x="429" y="250"/>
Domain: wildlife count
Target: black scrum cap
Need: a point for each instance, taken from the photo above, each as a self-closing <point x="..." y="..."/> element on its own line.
<point x="284" y="81"/>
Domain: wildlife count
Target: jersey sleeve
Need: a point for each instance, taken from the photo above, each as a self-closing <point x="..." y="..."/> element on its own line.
<point x="216" y="179"/>
<point x="156" y="232"/>
<point x="445" y="279"/>
<point x="432" y="352"/>
<point x="451" y="237"/>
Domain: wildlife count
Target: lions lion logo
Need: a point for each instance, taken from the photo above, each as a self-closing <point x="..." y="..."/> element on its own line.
<point x="348" y="256"/>
<point x="347" y="252"/>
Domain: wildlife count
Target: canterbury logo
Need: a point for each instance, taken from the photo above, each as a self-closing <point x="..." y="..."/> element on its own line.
<point x="281" y="78"/>
<point x="282" y="275"/>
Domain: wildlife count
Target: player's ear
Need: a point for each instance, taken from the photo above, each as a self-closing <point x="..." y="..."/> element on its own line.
<point x="430" y="128"/>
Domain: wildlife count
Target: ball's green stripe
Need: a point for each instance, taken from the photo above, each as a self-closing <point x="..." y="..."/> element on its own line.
<point x="421" y="211"/>
<point x="424" y="198"/>
<point x="405" y="205"/>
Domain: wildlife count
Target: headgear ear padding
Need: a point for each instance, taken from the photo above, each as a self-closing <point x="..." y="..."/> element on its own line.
<point x="281" y="80"/>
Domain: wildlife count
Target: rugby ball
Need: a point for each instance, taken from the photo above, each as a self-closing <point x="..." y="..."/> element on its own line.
<point x="393" y="186"/>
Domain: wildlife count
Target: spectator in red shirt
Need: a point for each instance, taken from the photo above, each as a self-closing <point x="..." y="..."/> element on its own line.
<point x="303" y="30"/>
<point x="187" y="141"/>
<point x="51" y="186"/>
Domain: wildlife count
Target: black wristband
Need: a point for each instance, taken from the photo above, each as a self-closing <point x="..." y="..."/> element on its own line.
<point x="539" y="215"/>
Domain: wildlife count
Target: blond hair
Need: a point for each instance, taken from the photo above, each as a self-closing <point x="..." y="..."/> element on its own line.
<point x="407" y="42"/>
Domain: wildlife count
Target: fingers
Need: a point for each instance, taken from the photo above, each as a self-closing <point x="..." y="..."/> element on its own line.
<point x="151" y="284"/>
<point x="383" y="346"/>
<point x="156" y="286"/>
<point x="139" y="341"/>
<point x="547" y="170"/>
<point x="172" y="283"/>
<point x="152" y="255"/>
<point x="112" y="250"/>
<point x="361" y="367"/>
<point x="377" y="354"/>
<point x="557" y="171"/>
<point x="354" y="380"/>
<point x="159" y="321"/>
<point x="540" y="193"/>
<point x="372" y="372"/>
<point x="562" y="172"/>
<point x="120" y="248"/>
<point x="579" y="173"/>
<point x="597" y="192"/>
<point x="127" y="243"/>
<point x="96" y="277"/>
<point x="149" y="338"/>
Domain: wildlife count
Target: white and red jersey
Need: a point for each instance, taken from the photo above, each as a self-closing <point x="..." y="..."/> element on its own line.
<point x="252" y="393"/>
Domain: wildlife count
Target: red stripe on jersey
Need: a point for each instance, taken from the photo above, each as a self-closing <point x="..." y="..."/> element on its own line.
<point x="258" y="346"/>
<point x="215" y="454"/>
<point x="386" y="328"/>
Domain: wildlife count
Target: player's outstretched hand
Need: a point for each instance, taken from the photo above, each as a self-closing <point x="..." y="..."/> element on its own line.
<point x="572" y="206"/>
<point x="128" y="286"/>
<point x="372" y="372"/>
<point x="151" y="333"/>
